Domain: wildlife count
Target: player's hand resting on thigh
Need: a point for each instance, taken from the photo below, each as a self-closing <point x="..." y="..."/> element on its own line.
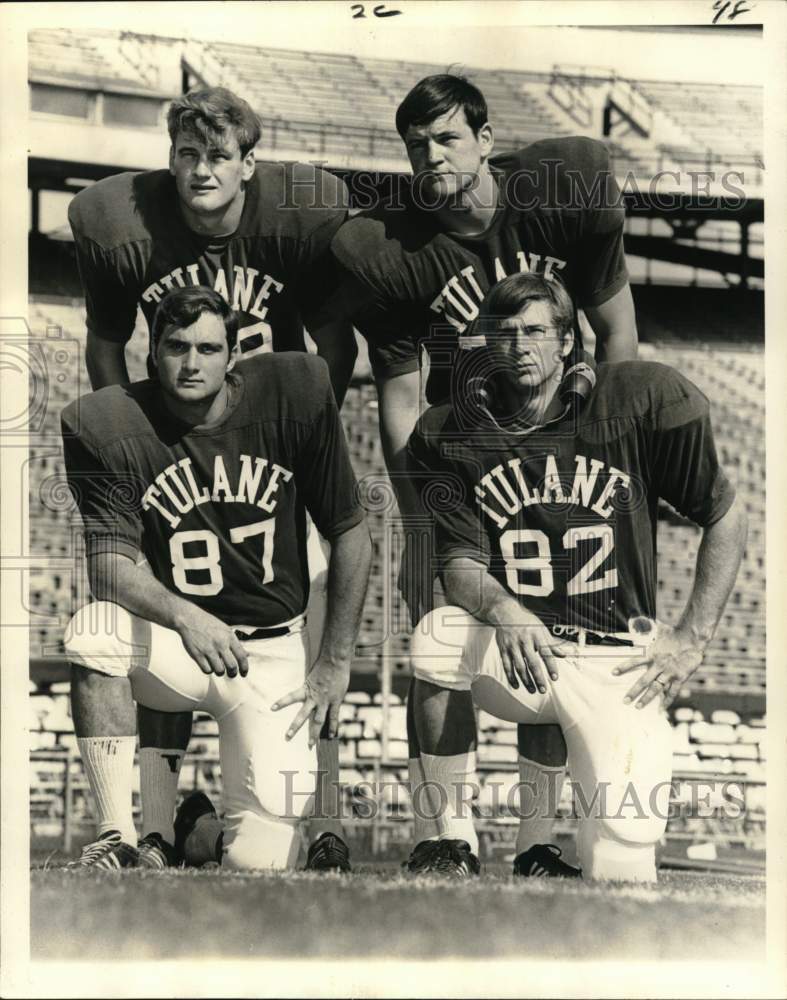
<point x="214" y="645"/>
<point x="321" y="693"/>
<point x="528" y="650"/>
<point x="670" y="660"/>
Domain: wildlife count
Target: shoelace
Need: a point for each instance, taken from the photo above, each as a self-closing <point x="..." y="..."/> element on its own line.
<point x="450" y="858"/>
<point x="91" y="853"/>
<point x="427" y="855"/>
<point x="151" y="855"/>
<point x="328" y="850"/>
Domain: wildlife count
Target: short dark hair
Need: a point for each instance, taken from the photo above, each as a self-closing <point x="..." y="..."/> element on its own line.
<point x="184" y="306"/>
<point x="510" y="295"/>
<point x="437" y="95"/>
<point x="209" y="113"/>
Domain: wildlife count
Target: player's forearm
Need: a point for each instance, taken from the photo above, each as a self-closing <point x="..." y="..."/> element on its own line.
<point x="619" y="345"/>
<point x="348" y="579"/>
<point x="118" y="579"/>
<point x="336" y="346"/>
<point x="718" y="560"/>
<point x="105" y="361"/>
<point x="470" y="585"/>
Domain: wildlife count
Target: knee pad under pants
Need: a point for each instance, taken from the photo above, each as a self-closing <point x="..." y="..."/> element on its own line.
<point x="620" y="757"/>
<point x="268" y="782"/>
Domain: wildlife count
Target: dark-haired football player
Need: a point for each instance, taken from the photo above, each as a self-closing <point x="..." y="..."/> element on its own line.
<point x="415" y="275"/>
<point x="258" y="234"/>
<point x="209" y="471"/>
<point x="548" y="556"/>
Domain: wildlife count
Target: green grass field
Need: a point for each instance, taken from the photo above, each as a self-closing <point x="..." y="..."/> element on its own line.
<point x="379" y="913"/>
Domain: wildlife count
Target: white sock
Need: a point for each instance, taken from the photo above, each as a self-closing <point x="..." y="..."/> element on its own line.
<point x="456" y="775"/>
<point x="539" y="795"/>
<point x="159" y="770"/>
<point x="423" y="827"/>
<point x="109" y="766"/>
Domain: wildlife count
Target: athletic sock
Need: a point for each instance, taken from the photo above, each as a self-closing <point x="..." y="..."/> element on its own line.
<point x="424" y="828"/>
<point x="539" y="795"/>
<point x="109" y="767"/>
<point x="159" y="770"/>
<point x="327" y="799"/>
<point x="456" y="776"/>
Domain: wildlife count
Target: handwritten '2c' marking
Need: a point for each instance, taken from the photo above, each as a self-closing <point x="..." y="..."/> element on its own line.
<point x="378" y="11"/>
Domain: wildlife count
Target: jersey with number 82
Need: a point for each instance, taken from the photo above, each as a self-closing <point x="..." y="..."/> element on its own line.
<point x="219" y="511"/>
<point x="565" y="516"/>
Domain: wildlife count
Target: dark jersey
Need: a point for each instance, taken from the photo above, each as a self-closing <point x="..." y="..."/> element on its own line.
<point x="408" y="284"/>
<point x="133" y="247"/>
<point x="219" y="511"/>
<point x="565" y="516"/>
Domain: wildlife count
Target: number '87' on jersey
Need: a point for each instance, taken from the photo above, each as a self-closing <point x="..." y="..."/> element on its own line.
<point x="219" y="511"/>
<point x="565" y="516"/>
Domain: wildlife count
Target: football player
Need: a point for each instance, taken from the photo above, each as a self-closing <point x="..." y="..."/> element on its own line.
<point x="258" y="233"/>
<point x="548" y="555"/>
<point x="208" y="471"/>
<point x="416" y="271"/>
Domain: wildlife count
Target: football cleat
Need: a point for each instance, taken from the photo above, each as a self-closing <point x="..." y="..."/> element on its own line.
<point x="328" y="853"/>
<point x="192" y="808"/>
<point x="108" y="853"/>
<point x="543" y="861"/>
<point x="156" y="853"/>
<point x="443" y="857"/>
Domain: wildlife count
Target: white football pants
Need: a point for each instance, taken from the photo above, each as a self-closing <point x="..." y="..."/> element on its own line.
<point x="268" y="783"/>
<point x="619" y="757"/>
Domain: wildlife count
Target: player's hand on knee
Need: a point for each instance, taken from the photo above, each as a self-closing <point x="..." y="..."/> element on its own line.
<point x="321" y="693"/>
<point x="212" y="644"/>
<point x="667" y="664"/>
<point x="529" y="653"/>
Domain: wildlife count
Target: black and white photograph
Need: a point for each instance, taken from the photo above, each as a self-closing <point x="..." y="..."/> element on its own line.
<point x="391" y="604"/>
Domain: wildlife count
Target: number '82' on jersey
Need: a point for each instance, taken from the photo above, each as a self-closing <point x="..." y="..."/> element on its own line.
<point x="565" y="516"/>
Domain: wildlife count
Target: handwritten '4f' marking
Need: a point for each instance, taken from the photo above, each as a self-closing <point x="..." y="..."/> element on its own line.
<point x="722" y="7"/>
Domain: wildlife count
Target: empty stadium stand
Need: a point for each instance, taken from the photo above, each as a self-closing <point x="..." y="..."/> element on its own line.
<point x="341" y="107"/>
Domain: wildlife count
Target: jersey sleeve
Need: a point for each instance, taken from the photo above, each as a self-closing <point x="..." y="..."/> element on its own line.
<point x="393" y="336"/>
<point x="368" y="294"/>
<point x="685" y="468"/>
<point x="392" y="330"/>
<point x="111" y="305"/>
<point x="108" y="501"/>
<point x="602" y="268"/>
<point x="324" y="473"/>
<point x="446" y="496"/>
<point x="318" y="272"/>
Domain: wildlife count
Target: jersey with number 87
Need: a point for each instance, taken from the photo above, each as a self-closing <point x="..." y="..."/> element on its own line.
<point x="219" y="511"/>
<point x="564" y="516"/>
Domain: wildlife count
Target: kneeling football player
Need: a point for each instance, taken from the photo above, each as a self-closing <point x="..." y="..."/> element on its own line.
<point x="548" y="557"/>
<point x="208" y="471"/>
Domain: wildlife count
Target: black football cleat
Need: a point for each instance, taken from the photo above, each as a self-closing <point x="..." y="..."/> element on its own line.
<point x="192" y="808"/>
<point x="107" y="853"/>
<point x="155" y="853"/>
<point x="543" y="861"/>
<point x="443" y="857"/>
<point x="421" y="857"/>
<point x="328" y="853"/>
